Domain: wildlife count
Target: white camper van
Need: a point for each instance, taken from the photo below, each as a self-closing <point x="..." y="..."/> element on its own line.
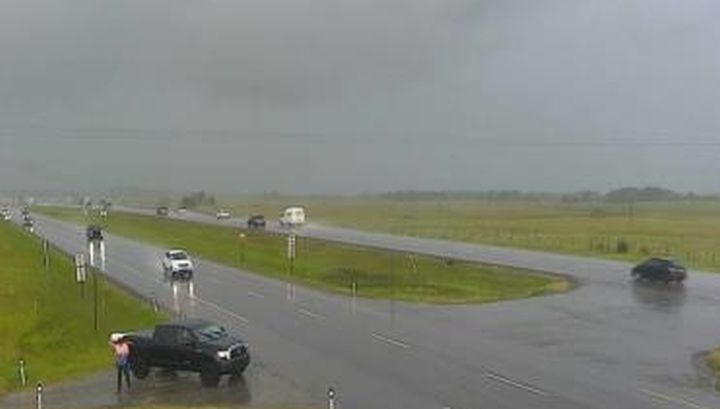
<point x="293" y="216"/>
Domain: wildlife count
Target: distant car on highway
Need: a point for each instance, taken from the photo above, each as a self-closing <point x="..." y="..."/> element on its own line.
<point x="256" y="222"/>
<point x="6" y="213"/>
<point x="177" y="265"/>
<point x="293" y="216"/>
<point x="94" y="233"/>
<point x="162" y="211"/>
<point x="29" y="224"/>
<point x="182" y="210"/>
<point x="660" y="269"/>
<point x="222" y="214"/>
<point x="190" y="345"/>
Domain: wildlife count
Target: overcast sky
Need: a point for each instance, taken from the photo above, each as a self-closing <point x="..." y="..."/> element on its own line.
<point x="342" y="96"/>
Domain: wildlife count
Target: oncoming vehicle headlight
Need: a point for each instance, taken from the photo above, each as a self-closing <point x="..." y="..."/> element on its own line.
<point x="223" y="354"/>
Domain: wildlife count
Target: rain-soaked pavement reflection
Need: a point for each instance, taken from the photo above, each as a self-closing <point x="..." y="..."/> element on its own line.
<point x="256" y="387"/>
<point x="659" y="296"/>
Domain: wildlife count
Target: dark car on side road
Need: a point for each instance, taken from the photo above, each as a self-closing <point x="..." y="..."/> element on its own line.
<point x="256" y="222"/>
<point x="191" y="345"/>
<point x="660" y="269"/>
<point x="162" y="211"/>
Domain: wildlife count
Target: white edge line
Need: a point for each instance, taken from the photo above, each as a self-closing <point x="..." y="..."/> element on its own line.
<point x="256" y="294"/>
<point x="516" y="384"/>
<point x="390" y="340"/>
<point x="310" y="313"/>
<point x="223" y="310"/>
<point x="672" y="399"/>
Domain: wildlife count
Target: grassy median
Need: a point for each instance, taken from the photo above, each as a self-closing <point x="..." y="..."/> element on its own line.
<point x="686" y="230"/>
<point x="331" y="266"/>
<point x="713" y="361"/>
<point x="44" y="320"/>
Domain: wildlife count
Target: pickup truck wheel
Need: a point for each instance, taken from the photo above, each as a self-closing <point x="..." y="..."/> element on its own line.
<point x="210" y="375"/>
<point x="140" y="368"/>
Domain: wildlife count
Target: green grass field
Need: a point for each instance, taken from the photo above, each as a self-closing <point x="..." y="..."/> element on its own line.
<point x="713" y="361"/>
<point x="685" y="230"/>
<point x="44" y="321"/>
<point x="332" y="266"/>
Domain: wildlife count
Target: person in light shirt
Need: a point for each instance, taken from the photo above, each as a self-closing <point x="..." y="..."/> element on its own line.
<point x="121" y="348"/>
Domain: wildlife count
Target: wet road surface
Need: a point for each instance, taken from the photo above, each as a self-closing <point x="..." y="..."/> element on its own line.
<point x="609" y="344"/>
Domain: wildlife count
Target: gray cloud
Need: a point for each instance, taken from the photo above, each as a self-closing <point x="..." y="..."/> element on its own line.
<point x="321" y="95"/>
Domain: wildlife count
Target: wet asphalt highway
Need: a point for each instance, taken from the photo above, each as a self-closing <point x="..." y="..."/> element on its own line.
<point x="609" y="344"/>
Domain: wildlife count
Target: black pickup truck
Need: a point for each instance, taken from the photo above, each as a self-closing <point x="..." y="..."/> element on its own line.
<point x="190" y="345"/>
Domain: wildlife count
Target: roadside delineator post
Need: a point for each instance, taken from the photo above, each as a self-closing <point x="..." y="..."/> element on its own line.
<point x="331" y="398"/>
<point x="21" y="372"/>
<point x="353" y="302"/>
<point x="80" y="272"/>
<point x="46" y="254"/>
<point x="39" y="396"/>
<point x="154" y="301"/>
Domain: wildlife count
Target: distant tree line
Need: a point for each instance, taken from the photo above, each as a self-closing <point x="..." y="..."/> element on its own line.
<point x="621" y="195"/>
<point x="197" y="199"/>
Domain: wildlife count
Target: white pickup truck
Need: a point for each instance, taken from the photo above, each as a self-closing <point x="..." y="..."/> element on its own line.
<point x="177" y="265"/>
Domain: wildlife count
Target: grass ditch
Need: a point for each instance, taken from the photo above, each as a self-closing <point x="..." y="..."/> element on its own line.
<point x="374" y="273"/>
<point x="45" y="321"/>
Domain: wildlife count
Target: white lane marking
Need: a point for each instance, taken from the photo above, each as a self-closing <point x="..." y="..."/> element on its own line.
<point x="224" y="310"/>
<point x="390" y="340"/>
<point x="515" y="384"/>
<point x="256" y="294"/>
<point x="310" y="314"/>
<point x="672" y="399"/>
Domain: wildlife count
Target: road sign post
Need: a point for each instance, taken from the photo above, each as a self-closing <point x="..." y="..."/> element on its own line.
<point x="291" y="250"/>
<point x="80" y="272"/>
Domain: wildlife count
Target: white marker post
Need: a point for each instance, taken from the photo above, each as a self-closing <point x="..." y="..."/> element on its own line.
<point x="102" y="255"/>
<point x="80" y="272"/>
<point x="291" y="250"/>
<point x="291" y="253"/>
<point x="21" y="372"/>
<point x="91" y="252"/>
<point x="39" y="396"/>
<point x="46" y="254"/>
<point x="331" y="398"/>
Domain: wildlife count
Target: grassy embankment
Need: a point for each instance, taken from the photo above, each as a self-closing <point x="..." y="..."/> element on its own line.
<point x="45" y="322"/>
<point x="332" y="266"/>
<point x="713" y="361"/>
<point x="685" y="230"/>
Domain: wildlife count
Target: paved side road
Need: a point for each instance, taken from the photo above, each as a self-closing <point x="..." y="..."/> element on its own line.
<point x="610" y="343"/>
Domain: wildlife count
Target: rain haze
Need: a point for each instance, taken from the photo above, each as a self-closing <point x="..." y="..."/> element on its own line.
<point x="327" y="96"/>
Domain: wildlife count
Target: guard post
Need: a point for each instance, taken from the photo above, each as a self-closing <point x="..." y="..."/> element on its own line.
<point x="39" y="396"/>
<point x="331" y="398"/>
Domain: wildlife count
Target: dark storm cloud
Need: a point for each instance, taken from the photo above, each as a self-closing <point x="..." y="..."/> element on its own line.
<point x="360" y="94"/>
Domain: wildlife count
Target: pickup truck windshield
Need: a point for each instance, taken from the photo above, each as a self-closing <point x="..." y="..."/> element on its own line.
<point x="211" y="332"/>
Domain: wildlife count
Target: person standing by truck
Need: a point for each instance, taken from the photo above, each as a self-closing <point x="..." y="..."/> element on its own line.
<point x="121" y="348"/>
